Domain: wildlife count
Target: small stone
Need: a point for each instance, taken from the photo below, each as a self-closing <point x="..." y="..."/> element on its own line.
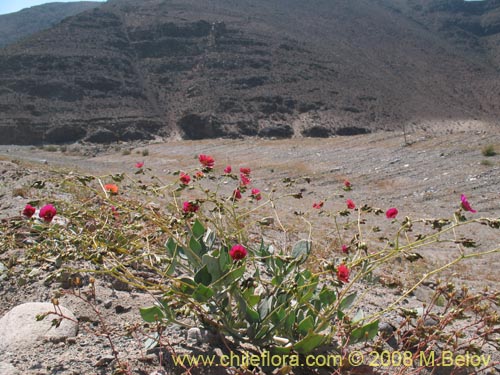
<point x="122" y="310"/>
<point x="108" y="303"/>
<point x="104" y="361"/>
<point x="429" y="322"/>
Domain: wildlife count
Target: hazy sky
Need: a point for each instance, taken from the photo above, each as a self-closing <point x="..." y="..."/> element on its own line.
<point x="9" y="6"/>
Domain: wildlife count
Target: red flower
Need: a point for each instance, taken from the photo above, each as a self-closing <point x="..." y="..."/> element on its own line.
<point x="466" y="205"/>
<point x="350" y="204"/>
<point x="228" y="169"/>
<point x="238" y="252"/>
<point x="347" y="185"/>
<point x="391" y="213"/>
<point x="207" y="161"/>
<point x="139" y="164"/>
<point x="345" y="249"/>
<point x="318" y="205"/>
<point x="114" y="210"/>
<point x="185" y="179"/>
<point x="188" y="207"/>
<point x="245" y="171"/>
<point x="29" y="210"/>
<point x="47" y="213"/>
<point x="111" y="188"/>
<point x="256" y="194"/>
<point x="244" y="179"/>
<point x="236" y="194"/>
<point x="343" y="273"/>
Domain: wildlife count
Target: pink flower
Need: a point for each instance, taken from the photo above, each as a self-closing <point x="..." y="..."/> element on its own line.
<point x="228" y="169"/>
<point x="207" y="161"/>
<point x="318" y="205"/>
<point x="391" y="213"/>
<point x="238" y="252"/>
<point x="244" y="180"/>
<point x="350" y="204"/>
<point x="466" y="205"/>
<point x="29" y="211"/>
<point x="345" y="249"/>
<point x="256" y="194"/>
<point x="185" y="179"/>
<point x="139" y="164"/>
<point x="245" y="171"/>
<point x="343" y="273"/>
<point x="188" y="207"/>
<point x="236" y="194"/>
<point x="47" y="213"/>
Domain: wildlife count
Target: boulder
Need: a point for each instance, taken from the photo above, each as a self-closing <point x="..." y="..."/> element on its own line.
<point x="20" y="330"/>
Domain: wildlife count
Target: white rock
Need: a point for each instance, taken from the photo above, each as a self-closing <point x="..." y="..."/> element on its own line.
<point x="8" y="369"/>
<point x="19" y="329"/>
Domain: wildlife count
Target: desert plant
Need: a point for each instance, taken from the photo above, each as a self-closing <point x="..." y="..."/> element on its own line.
<point x="488" y="150"/>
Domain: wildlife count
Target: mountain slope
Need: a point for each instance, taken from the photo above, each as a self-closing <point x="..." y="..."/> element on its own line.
<point x="15" y="26"/>
<point x="199" y="69"/>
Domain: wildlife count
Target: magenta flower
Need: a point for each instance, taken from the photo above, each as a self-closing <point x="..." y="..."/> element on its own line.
<point x="184" y="178"/>
<point x="466" y="205"/>
<point x="189" y="207"/>
<point x="256" y="194"/>
<point x="207" y="161"/>
<point x="47" y="213"/>
<point x="343" y="273"/>
<point x="236" y="194"/>
<point x="318" y="205"/>
<point x="29" y="210"/>
<point x="228" y="169"/>
<point x="350" y="204"/>
<point x="139" y="164"/>
<point x="391" y="213"/>
<point x="238" y="252"/>
<point x="245" y="171"/>
<point x="244" y="179"/>
<point x="345" y="249"/>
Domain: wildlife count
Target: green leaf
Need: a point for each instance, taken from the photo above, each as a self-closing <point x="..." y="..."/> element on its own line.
<point x="301" y="250"/>
<point x="202" y="293"/>
<point x="195" y="246"/>
<point x="151" y="314"/>
<point x="230" y="277"/>
<point x="290" y="321"/>
<point x="185" y="285"/>
<point x="252" y="315"/>
<point x="327" y="297"/>
<point x="347" y="301"/>
<point x="305" y="325"/>
<point x="309" y="343"/>
<point x="198" y="229"/>
<point x="365" y="333"/>
<point x="203" y="276"/>
<point x="212" y="265"/>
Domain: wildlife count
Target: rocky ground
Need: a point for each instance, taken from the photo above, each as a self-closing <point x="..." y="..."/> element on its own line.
<point x="423" y="177"/>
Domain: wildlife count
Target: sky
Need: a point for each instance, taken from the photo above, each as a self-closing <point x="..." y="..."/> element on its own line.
<point x="9" y="6"/>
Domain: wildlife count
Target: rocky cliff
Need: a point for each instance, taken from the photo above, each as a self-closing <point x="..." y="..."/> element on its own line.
<point x="229" y="68"/>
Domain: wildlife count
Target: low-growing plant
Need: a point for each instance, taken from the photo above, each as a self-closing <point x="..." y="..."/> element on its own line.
<point x="217" y="255"/>
<point x="488" y="150"/>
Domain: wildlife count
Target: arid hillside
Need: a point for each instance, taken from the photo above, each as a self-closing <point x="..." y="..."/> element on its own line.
<point x="194" y="69"/>
<point x="18" y="25"/>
